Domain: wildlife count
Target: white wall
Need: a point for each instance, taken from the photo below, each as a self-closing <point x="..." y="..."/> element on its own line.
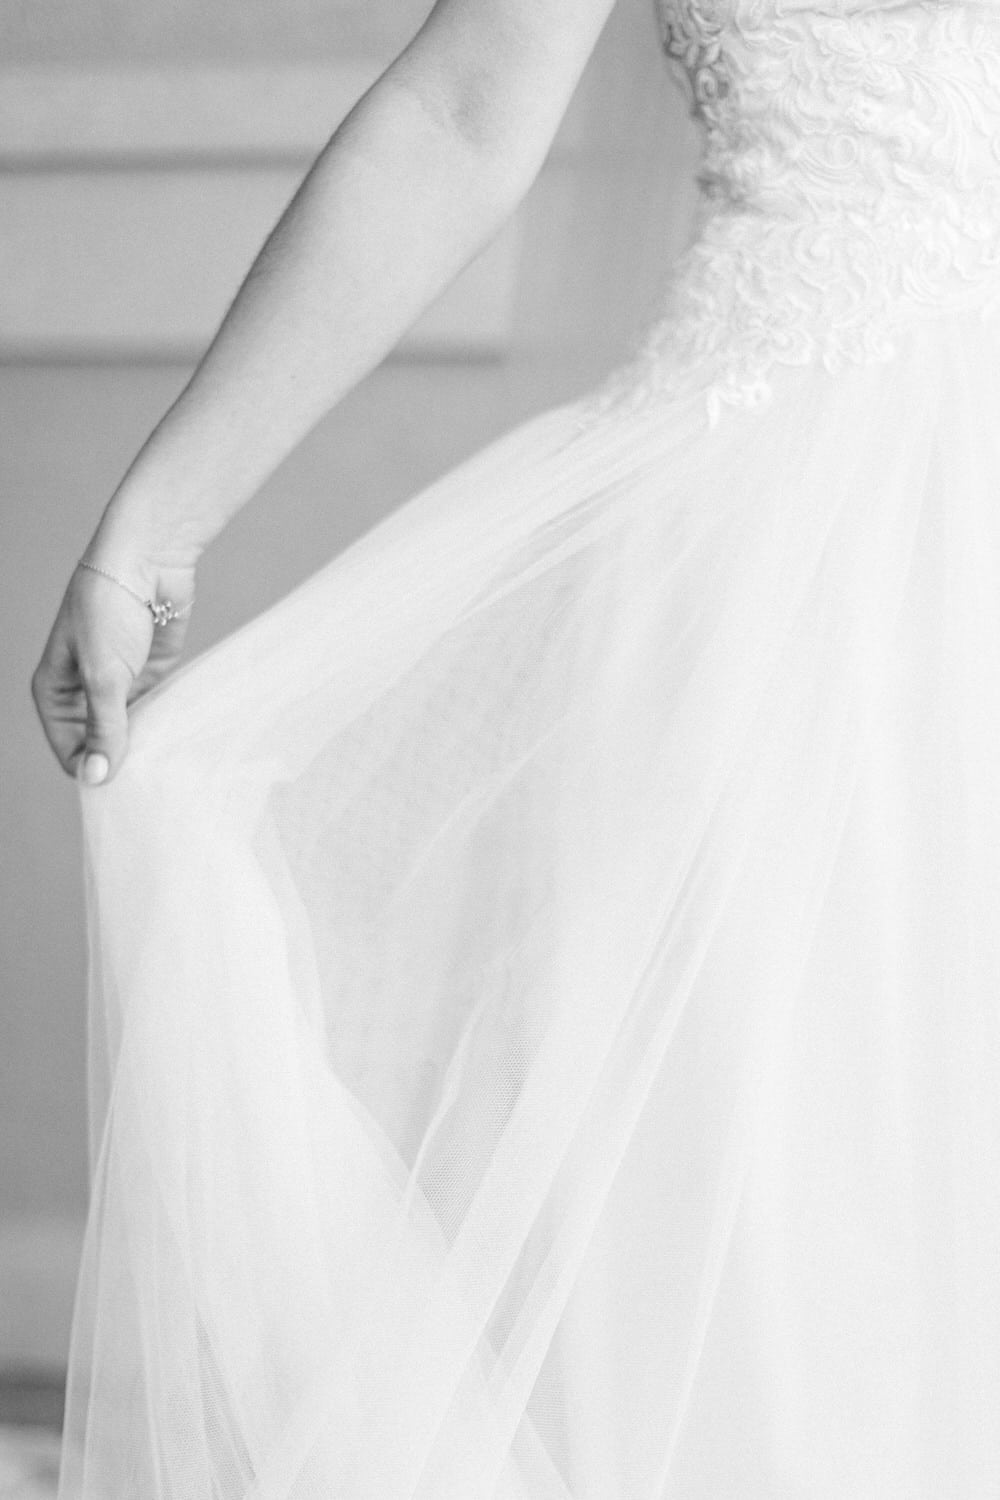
<point x="135" y="181"/>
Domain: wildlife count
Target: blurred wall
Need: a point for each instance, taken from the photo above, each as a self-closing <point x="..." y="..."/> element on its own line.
<point x="145" y="146"/>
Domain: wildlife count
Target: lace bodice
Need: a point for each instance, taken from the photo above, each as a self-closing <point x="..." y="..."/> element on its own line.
<point x="850" y="182"/>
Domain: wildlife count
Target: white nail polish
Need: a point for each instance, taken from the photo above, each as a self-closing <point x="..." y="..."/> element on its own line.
<point x="95" y="770"/>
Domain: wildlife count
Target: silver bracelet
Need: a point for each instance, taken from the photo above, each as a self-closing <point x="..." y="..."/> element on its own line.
<point x="163" y="611"/>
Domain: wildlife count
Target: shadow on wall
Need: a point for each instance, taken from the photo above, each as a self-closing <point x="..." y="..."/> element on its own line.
<point x="31" y="1413"/>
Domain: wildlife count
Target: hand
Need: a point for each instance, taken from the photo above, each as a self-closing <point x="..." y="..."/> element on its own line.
<point x="103" y="653"/>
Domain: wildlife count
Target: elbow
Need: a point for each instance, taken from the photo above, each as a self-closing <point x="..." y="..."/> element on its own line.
<point x="485" y="121"/>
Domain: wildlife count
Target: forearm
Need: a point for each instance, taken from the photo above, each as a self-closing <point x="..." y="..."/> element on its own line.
<point x="394" y="207"/>
<point x="421" y="174"/>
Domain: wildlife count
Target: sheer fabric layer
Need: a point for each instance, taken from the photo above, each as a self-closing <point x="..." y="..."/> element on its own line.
<point x="545" y="982"/>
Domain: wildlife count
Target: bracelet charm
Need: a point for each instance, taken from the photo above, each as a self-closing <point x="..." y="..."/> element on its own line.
<point x="162" y="610"/>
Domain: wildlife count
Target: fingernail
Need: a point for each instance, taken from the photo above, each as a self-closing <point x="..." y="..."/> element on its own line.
<point x="95" y="769"/>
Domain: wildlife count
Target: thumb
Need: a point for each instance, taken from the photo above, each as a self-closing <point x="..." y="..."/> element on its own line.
<point x="107" y="724"/>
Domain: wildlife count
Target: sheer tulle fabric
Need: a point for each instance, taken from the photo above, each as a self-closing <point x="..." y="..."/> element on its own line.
<point x="546" y="975"/>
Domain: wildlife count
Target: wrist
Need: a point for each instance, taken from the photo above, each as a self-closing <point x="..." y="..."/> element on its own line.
<point x="152" y="528"/>
<point x="165" y="509"/>
<point x="163" y="610"/>
<point x="137" y="543"/>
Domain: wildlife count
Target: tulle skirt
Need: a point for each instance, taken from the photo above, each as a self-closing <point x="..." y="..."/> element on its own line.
<point x="546" y="982"/>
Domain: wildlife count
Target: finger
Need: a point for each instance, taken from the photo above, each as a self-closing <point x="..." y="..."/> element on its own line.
<point x="106" y="738"/>
<point x="61" y="704"/>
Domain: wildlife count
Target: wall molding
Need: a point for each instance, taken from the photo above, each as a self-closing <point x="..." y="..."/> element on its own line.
<point x="116" y="115"/>
<point x="133" y="200"/>
<point x="140" y="265"/>
<point x="107" y="116"/>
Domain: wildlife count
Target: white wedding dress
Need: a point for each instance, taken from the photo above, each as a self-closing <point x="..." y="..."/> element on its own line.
<point x="546" y="971"/>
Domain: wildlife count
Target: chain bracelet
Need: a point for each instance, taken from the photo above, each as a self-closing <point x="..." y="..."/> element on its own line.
<point x="163" y="611"/>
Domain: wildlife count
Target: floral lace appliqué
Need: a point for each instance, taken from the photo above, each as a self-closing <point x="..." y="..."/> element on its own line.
<point x="850" y="183"/>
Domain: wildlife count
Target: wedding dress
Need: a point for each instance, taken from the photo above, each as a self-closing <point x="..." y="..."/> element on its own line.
<point x="546" y="971"/>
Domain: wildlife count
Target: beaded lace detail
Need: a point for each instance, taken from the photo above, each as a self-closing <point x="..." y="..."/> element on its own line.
<point x="850" y="183"/>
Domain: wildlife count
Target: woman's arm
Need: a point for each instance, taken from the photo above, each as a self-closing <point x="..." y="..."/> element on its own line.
<point x="417" y="179"/>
